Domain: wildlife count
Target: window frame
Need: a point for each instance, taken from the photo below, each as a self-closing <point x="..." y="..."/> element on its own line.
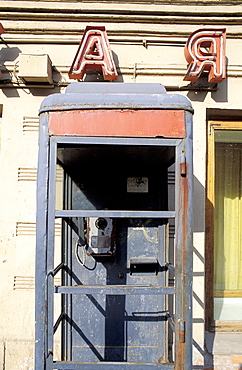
<point x="210" y="323"/>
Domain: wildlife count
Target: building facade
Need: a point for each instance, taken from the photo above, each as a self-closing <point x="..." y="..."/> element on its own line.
<point x="147" y="39"/>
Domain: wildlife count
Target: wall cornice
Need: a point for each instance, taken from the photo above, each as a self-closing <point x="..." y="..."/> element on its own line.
<point x="122" y="19"/>
<point x="127" y="13"/>
<point x="123" y="11"/>
<point x="76" y="3"/>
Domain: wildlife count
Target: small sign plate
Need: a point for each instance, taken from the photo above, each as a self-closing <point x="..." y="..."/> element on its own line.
<point x="137" y="184"/>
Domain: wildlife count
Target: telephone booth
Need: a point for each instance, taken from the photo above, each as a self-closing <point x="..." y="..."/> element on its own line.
<point x="114" y="245"/>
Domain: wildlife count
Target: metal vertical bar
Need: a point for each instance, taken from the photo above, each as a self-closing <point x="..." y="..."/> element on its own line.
<point x="162" y="344"/>
<point x="63" y="281"/>
<point x="66" y="277"/>
<point x="41" y="245"/>
<point x="183" y="253"/>
<point x="69" y="254"/>
<point x="64" y="229"/>
<point x="50" y="253"/>
<point x="188" y="265"/>
<point x="178" y="259"/>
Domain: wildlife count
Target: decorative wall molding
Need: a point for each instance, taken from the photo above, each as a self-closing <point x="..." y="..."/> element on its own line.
<point x="45" y="10"/>
<point x="28" y="282"/>
<point x="115" y="37"/>
<point x="169" y="29"/>
<point x="25" y="228"/>
<point x="30" y="124"/>
<point x="30" y="174"/>
<point x="29" y="228"/>
<point x="27" y="174"/>
<point x="158" y="16"/>
<point x="72" y="4"/>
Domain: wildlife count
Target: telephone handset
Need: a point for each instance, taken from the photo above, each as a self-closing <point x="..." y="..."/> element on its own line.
<point x="100" y="236"/>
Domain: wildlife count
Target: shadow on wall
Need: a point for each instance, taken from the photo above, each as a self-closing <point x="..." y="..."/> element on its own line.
<point x="11" y="54"/>
<point x="97" y="75"/>
<point x="208" y="358"/>
<point x="222" y="344"/>
<point x="198" y="206"/>
<point x="199" y="227"/>
<point x="219" y="94"/>
<point x="8" y="54"/>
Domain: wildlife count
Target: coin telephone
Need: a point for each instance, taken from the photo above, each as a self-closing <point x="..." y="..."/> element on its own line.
<point x="100" y="240"/>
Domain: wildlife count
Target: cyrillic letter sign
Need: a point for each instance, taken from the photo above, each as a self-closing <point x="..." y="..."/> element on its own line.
<point x="94" y="53"/>
<point x="205" y="51"/>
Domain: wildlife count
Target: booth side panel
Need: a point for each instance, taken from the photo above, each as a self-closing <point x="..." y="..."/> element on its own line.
<point x="184" y="250"/>
<point x="41" y="245"/>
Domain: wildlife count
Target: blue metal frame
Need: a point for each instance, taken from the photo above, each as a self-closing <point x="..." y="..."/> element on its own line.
<point x="41" y="246"/>
<point x="110" y="366"/>
<point x="46" y="214"/>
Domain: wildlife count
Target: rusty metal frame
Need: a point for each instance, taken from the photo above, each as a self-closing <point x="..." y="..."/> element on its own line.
<point x="45" y="270"/>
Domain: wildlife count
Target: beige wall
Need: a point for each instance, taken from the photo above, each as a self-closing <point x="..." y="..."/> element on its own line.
<point x="148" y="46"/>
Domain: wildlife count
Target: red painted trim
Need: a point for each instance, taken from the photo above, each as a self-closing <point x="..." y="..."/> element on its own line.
<point x="123" y="123"/>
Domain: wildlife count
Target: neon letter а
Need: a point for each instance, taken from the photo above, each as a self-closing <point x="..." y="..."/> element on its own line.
<point x="94" y="53"/>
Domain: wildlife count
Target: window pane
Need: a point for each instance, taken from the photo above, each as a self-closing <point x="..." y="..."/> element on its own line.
<point x="227" y="308"/>
<point x="228" y="223"/>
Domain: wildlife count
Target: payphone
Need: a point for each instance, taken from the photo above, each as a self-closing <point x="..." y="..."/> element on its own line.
<point x="116" y="145"/>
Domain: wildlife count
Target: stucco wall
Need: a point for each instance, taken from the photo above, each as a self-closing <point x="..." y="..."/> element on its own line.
<point x="147" y="40"/>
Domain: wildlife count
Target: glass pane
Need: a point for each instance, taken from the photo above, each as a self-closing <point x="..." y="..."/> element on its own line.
<point x="228" y="136"/>
<point x="228" y="224"/>
<point x="227" y="308"/>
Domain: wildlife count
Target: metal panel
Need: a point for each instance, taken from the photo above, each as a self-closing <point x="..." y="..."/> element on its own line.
<point x="115" y="214"/>
<point x="41" y="245"/>
<point x="115" y="141"/>
<point x="183" y="256"/>
<point x="110" y="366"/>
<point x="114" y="290"/>
<point x="50" y="254"/>
<point x="118" y="88"/>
